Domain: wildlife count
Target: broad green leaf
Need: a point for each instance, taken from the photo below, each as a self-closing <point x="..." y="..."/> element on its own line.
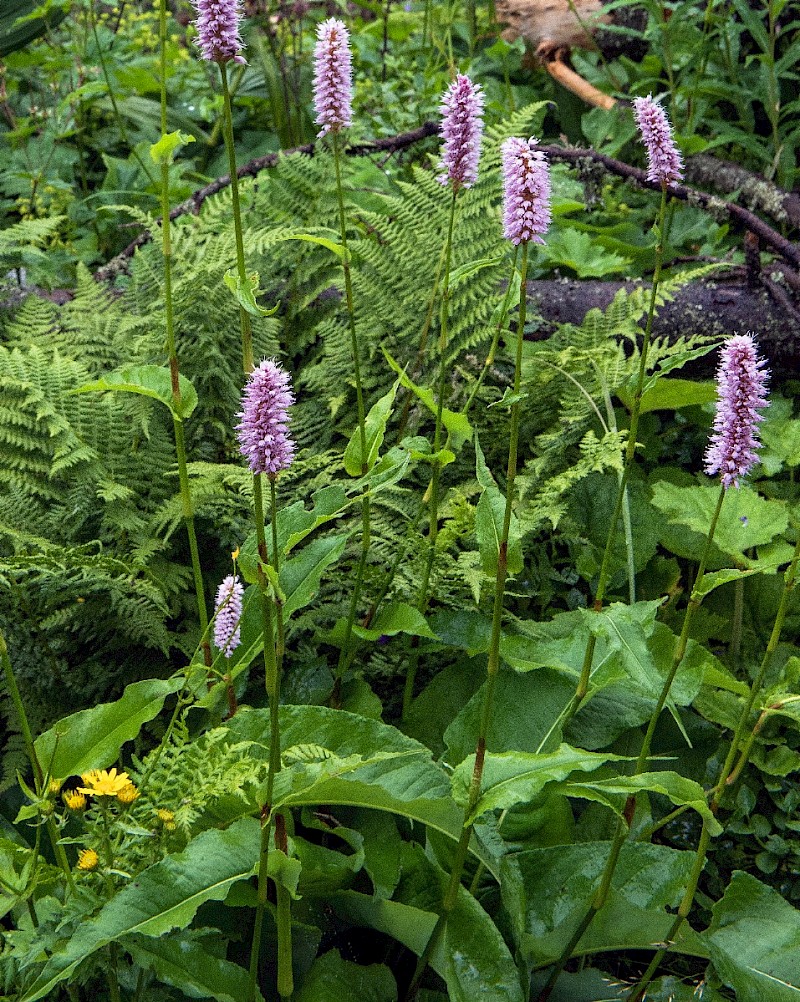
<point x="150" y="381"/>
<point x="527" y="707"/>
<point x="546" y="893"/>
<point x="715" y="579"/>
<point x="245" y="293"/>
<point x="187" y="964"/>
<point x="489" y="521"/>
<point x="746" y="519"/>
<point x="672" y="394"/>
<point x="92" y="739"/>
<point x="300" y="576"/>
<point x="512" y="778"/>
<point x="680" y="790"/>
<point x="163" y="897"/>
<point x="168" y="145"/>
<point x="367" y="764"/>
<point x="754" y="942"/>
<point x="456" y="423"/>
<point x="332" y="979"/>
<point x="471" y="956"/>
<point x="375" y="428"/>
<point x="397" y="617"/>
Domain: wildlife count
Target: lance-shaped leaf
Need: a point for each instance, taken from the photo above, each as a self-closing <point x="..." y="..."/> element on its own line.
<point x="91" y="739"/>
<point x="512" y="778"/>
<point x="489" y="520"/>
<point x="456" y="423"/>
<point x="374" y="429"/>
<point x="300" y="576"/>
<point x="681" y="791"/>
<point x="163" y="897"/>
<point x="187" y="964"/>
<point x="148" y="381"/>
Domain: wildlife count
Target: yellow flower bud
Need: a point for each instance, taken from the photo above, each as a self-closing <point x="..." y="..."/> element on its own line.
<point x="75" y="801"/>
<point x="128" y="794"/>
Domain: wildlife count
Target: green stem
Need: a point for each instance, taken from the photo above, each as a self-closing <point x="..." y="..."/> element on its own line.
<point x="726" y="777"/>
<point x="180" y="442"/>
<point x="345" y="655"/>
<point x="33" y="758"/>
<point x="276" y="563"/>
<point x="433" y="487"/>
<point x="272" y="680"/>
<point x="284" y="920"/>
<point x="620" y="834"/>
<point x="244" y="316"/>
<point x="630" y="450"/>
<point x="493" y="662"/>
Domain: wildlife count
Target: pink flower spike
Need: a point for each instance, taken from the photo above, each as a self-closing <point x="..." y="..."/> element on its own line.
<point x="228" y="612"/>
<point x="218" y="30"/>
<point x="333" y="71"/>
<point x="263" y="435"/>
<point x="664" y="163"/>
<point x="462" y="128"/>
<point x="526" y="191"/>
<point x="741" y="388"/>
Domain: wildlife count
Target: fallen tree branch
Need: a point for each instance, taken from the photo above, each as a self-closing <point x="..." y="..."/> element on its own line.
<point x="723" y="305"/>
<point x="755" y="192"/>
<point x="583" y="159"/>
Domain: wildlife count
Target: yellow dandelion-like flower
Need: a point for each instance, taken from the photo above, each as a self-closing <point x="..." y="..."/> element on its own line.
<point x="54" y="787"/>
<point x="128" y="794"/>
<point x="104" y="783"/>
<point x="164" y="815"/>
<point x="88" y="859"/>
<point x="75" y="801"/>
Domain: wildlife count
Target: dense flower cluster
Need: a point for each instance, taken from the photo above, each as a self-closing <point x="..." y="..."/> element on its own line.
<point x="263" y="437"/>
<point x="526" y="191"/>
<point x="218" y="30"/>
<point x="333" y="88"/>
<point x="462" y="128"/>
<point x="664" y="163"/>
<point x="741" y="388"/>
<point x="227" y="633"/>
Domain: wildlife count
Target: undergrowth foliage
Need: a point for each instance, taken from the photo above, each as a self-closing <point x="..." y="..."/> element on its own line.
<point x="600" y="719"/>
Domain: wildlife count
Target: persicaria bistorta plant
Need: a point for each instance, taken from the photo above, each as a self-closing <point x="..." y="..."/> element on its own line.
<point x="228" y="606"/>
<point x="462" y="128"/>
<point x="217" y="26"/>
<point x="333" y="89"/>
<point x="741" y="386"/>
<point x="526" y="191"/>
<point x="263" y="430"/>
<point x="664" y="162"/>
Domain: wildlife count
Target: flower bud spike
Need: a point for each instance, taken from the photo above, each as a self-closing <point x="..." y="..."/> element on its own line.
<point x="217" y="26"/>
<point x="461" y="130"/>
<point x="333" y="88"/>
<point x="741" y="388"/>
<point x="526" y="191"/>
<point x="664" y="162"/>
<point x="228" y="613"/>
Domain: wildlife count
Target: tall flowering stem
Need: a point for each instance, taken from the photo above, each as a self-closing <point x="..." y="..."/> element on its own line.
<point x="265" y="442"/>
<point x="664" y="167"/>
<point x="461" y="131"/>
<point x="333" y="94"/>
<point x="732" y="452"/>
<point x="169" y="316"/>
<point x="526" y="180"/>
